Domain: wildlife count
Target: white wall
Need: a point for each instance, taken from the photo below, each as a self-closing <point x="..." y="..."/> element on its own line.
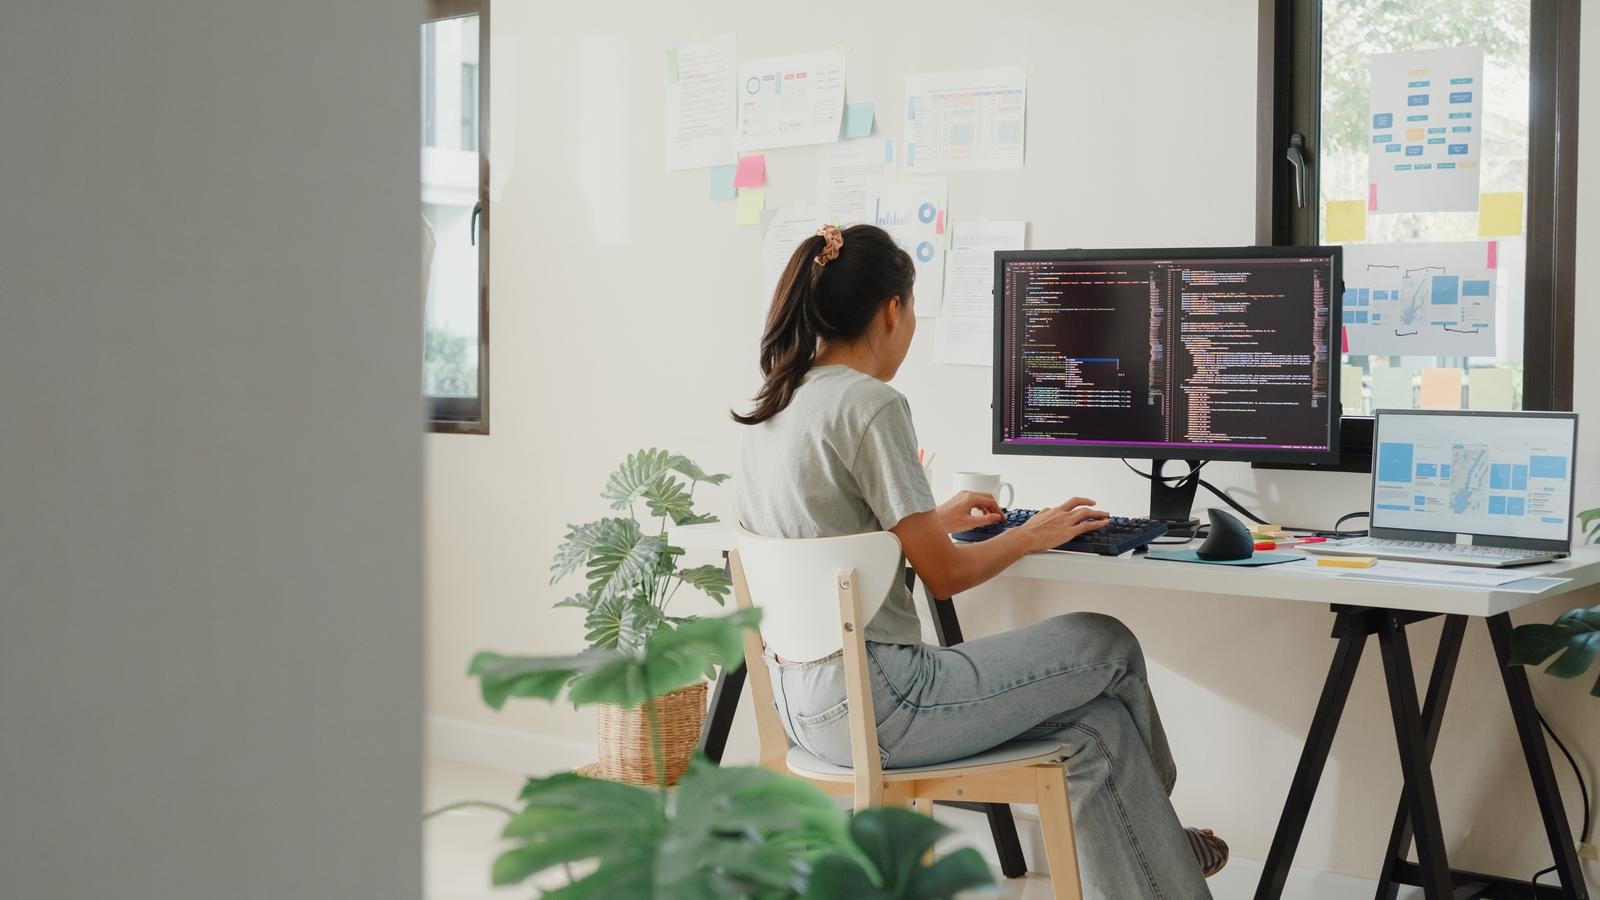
<point x="210" y="519"/>
<point x="626" y="315"/>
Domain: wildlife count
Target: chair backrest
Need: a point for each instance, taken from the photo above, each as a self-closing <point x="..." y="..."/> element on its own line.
<point x="793" y="584"/>
<point x="816" y="597"/>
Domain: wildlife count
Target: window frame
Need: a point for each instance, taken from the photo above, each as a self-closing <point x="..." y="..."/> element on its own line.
<point x="470" y="415"/>
<point x="1289" y="101"/>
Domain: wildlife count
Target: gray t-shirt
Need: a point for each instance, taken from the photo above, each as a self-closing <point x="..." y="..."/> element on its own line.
<point x="840" y="459"/>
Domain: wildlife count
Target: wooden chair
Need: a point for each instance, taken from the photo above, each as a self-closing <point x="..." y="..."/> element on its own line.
<point x="788" y="580"/>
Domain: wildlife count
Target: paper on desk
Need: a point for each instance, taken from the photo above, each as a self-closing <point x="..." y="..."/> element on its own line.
<point x="964" y="334"/>
<point x="700" y="103"/>
<point x="1535" y="585"/>
<point x="1435" y="574"/>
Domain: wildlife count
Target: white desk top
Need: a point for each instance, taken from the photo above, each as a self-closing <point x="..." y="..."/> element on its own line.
<point x="1302" y="581"/>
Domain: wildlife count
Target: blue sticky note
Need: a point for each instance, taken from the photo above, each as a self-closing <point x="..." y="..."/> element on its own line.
<point x="857" y="119"/>
<point x="722" y="182"/>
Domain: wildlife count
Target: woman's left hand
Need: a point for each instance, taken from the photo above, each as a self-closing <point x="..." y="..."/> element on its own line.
<point x="956" y="515"/>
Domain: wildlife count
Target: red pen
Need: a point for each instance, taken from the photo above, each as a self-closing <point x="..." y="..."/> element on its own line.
<point x="1266" y="545"/>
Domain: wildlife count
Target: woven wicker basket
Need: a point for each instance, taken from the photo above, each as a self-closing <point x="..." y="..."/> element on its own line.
<point x="622" y="737"/>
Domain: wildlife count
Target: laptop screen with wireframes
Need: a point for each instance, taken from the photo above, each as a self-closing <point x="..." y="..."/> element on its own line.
<point x="1502" y="479"/>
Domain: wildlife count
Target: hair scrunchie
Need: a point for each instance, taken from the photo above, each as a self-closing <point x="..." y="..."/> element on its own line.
<point x="832" y="240"/>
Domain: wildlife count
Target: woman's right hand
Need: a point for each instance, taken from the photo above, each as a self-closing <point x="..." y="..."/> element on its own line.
<point x="1059" y="524"/>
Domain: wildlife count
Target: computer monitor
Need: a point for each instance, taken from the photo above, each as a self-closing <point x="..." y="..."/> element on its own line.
<point x="1219" y="353"/>
<point x="1502" y="479"/>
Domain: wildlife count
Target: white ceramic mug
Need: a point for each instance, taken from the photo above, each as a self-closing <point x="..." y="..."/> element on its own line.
<point x="985" y="483"/>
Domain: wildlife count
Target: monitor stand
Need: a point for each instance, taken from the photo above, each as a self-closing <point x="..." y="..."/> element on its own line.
<point x="1171" y="501"/>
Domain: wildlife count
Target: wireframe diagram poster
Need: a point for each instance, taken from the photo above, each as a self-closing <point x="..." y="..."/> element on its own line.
<point x="965" y="121"/>
<point x="700" y="103"/>
<point x="787" y="101"/>
<point x="1420" y="299"/>
<point x="912" y="210"/>
<point x="1425" y="138"/>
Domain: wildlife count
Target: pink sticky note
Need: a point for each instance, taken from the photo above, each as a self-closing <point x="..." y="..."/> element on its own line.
<point x="1344" y="339"/>
<point x="1441" y="389"/>
<point x="1372" y="196"/>
<point x="1494" y="254"/>
<point x="938" y="223"/>
<point x="752" y="172"/>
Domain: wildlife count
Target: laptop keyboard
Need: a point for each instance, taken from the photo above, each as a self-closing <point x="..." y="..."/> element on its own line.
<point x="1456" y="550"/>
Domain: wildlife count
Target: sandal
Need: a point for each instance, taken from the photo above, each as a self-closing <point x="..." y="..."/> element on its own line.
<point x="1209" y="850"/>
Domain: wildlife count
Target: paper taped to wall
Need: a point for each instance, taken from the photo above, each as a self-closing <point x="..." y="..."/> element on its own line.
<point x="787" y="101"/>
<point x="782" y="230"/>
<point x="966" y="121"/>
<point x="964" y="334"/>
<point x="700" y="103"/>
<point x="1426" y="130"/>
<point x="912" y="210"/>
<point x="842" y="178"/>
<point x="1419" y="299"/>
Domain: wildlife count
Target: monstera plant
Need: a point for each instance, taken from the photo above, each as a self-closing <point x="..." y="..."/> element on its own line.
<point x="1575" y="635"/>
<point x="629" y="575"/>
<point x="724" y="832"/>
<point x="631" y="572"/>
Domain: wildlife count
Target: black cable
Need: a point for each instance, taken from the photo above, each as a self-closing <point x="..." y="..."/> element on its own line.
<point x="1239" y="508"/>
<point x="1583" y="789"/>
<point x="1169" y="479"/>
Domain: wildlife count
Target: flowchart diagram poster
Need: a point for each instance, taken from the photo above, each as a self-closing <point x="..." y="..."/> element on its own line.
<point x="1420" y="299"/>
<point x="1425" y="139"/>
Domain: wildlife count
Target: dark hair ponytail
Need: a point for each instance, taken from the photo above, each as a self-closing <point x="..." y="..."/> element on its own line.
<point x="834" y="300"/>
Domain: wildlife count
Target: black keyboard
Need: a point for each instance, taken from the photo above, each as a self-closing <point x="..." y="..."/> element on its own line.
<point x="1124" y="533"/>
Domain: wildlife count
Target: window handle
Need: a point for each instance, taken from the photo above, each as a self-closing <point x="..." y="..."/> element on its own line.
<point x="477" y="208"/>
<point x="1297" y="158"/>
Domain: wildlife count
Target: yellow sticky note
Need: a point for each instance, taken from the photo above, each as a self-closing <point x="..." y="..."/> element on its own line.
<point x="1350" y="390"/>
<point x="1441" y="389"/>
<point x="1347" y="562"/>
<point x="1414" y="134"/>
<point x="750" y="204"/>
<point x="1489" y="389"/>
<point x="1499" y="214"/>
<point x="1347" y="220"/>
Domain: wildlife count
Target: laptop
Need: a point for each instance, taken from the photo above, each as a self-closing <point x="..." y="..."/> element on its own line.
<point x="1469" y="488"/>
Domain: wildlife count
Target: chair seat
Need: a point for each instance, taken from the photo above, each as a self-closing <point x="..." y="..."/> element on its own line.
<point x="1005" y="756"/>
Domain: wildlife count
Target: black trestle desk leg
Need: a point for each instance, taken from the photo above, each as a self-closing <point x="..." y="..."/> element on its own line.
<point x="1537" y="754"/>
<point x="724" y="703"/>
<point x="947" y="628"/>
<point x="1421" y="801"/>
<point x="1444" y="671"/>
<point x="1314" y="757"/>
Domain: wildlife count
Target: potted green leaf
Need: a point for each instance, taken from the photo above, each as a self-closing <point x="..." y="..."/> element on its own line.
<point x="1575" y="635"/>
<point x="630" y="576"/>
<point x="724" y="832"/>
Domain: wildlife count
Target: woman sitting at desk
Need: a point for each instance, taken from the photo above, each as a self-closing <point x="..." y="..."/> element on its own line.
<point x="831" y="451"/>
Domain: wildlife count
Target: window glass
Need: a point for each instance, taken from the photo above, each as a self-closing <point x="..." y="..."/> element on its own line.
<point x="450" y="190"/>
<point x="1438" y="324"/>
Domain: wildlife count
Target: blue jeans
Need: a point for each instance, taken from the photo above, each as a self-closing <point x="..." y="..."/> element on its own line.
<point x="1078" y="679"/>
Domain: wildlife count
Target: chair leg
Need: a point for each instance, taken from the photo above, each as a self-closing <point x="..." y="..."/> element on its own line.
<point x="923" y="807"/>
<point x="1055" y="820"/>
